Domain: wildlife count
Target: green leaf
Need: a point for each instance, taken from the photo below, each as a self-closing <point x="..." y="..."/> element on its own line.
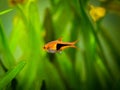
<point x="8" y="59"/>
<point x="52" y="77"/>
<point x="5" y="11"/>
<point x="32" y="25"/>
<point x="67" y="71"/>
<point x="11" y="74"/>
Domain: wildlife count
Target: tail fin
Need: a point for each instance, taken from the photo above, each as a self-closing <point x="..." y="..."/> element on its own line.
<point x="73" y="44"/>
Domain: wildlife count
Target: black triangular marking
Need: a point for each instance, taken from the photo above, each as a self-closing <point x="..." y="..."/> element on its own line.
<point x="58" y="46"/>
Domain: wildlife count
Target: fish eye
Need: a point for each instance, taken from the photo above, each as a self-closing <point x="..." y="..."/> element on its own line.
<point x="44" y="47"/>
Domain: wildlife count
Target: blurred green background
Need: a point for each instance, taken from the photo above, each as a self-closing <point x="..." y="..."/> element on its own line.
<point x="27" y="25"/>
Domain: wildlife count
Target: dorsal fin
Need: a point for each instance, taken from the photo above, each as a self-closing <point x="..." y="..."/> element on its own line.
<point x="60" y="39"/>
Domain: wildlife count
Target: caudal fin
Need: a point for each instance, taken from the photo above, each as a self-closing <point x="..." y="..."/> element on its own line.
<point x="73" y="44"/>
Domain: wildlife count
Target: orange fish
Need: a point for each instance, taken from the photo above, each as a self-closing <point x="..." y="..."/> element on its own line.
<point x="58" y="46"/>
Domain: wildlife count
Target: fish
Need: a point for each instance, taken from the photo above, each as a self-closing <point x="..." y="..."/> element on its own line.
<point x="58" y="45"/>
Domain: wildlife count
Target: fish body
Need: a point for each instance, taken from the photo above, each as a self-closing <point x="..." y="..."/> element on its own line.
<point x="58" y="46"/>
